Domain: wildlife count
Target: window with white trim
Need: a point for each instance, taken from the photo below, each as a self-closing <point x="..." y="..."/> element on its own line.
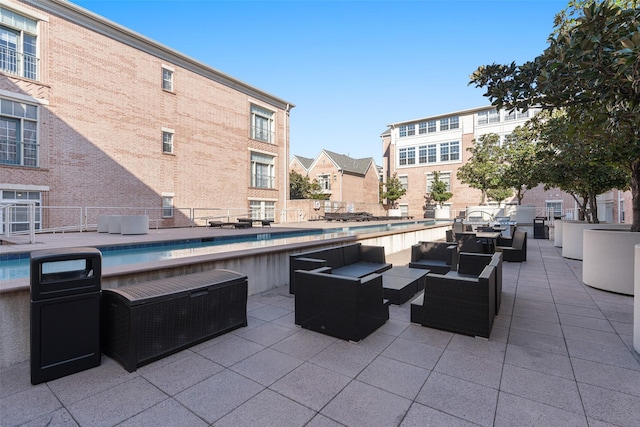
<point x="404" y="181"/>
<point x="18" y="44"/>
<point x="167" y="79"/>
<point x="262" y="170"/>
<point x="422" y="154"/>
<point x="407" y="156"/>
<point x="18" y="133"/>
<point x="325" y="182"/>
<point x="483" y="117"/>
<point x="167" y="141"/>
<point x="494" y="116"/>
<point x="262" y="127"/>
<point x="422" y="128"/>
<point x="523" y="114"/>
<point x="431" y="126"/>
<point x="262" y="209"/>
<point x="449" y="123"/>
<point x="19" y="216"/>
<point x="449" y="151"/>
<point x="509" y="115"/>
<point x="167" y="206"/>
<point x="444" y="177"/>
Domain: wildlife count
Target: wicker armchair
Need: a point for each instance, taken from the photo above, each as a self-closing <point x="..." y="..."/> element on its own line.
<point x="438" y="257"/>
<point x="517" y="252"/>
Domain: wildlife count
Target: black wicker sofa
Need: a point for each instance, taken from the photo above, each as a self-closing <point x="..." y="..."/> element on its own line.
<point x="353" y="260"/>
<point x="438" y="257"/>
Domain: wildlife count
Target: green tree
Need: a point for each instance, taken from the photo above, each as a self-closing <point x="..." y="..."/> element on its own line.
<point x="301" y="187"/>
<point x="591" y="67"/>
<point x="484" y="168"/>
<point x="439" y="193"/>
<point x="393" y="190"/>
<point x="520" y="167"/>
<point x="499" y="194"/>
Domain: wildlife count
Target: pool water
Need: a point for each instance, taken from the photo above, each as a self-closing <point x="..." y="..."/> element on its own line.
<point x="16" y="266"/>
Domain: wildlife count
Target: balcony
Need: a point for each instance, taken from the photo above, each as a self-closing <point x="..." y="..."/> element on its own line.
<point x="18" y="64"/>
<point x="18" y="153"/>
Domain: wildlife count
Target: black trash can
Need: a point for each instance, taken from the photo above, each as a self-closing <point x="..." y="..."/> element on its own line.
<point x="538" y="228"/>
<point x="65" y="312"/>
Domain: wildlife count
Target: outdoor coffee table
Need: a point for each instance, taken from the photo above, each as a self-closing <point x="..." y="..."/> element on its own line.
<point x="399" y="284"/>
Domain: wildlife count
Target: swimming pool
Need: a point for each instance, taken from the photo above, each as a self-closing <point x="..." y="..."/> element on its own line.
<point x="16" y="265"/>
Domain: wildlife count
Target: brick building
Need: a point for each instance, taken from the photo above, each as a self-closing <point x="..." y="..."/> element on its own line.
<point x="349" y="184"/>
<point x="414" y="149"/>
<point x="95" y="115"/>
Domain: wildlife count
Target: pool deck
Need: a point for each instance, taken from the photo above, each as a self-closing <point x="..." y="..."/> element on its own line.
<point x="560" y="354"/>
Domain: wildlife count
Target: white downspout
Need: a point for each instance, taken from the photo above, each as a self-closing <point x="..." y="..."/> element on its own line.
<point x="285" y="172"/>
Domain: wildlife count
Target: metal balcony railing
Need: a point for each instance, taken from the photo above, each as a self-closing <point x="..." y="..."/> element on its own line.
<point x="18" y="63"/>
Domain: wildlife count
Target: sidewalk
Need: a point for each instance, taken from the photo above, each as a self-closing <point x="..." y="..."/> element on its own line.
<point x="560" y="354"/>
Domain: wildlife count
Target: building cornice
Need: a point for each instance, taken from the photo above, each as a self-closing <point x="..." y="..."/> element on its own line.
<point x="108" y="28"/>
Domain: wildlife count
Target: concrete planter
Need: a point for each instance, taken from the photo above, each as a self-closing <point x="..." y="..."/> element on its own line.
<point x="572" y="232"/>
<point x="636" y="302"/>
<point x="394" y="213"/>
<point x="443" y="212"/>
<point x="609" y="259"/>
<point x="524" y="214"/>
<point x="557" y="233"/>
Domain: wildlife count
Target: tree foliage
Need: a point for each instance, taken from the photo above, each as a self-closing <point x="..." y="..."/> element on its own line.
<point x="439" y="193"/>
<point x="484" y="168"/>
<point x="301" y="187"/>
<point x="591" y="68"/>
<point x="393" y="190"/>
<point x="521" y="161"/>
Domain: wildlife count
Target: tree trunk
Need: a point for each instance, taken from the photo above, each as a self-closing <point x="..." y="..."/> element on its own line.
<point x="635" y="194"/>
<point x="593" y="207"/>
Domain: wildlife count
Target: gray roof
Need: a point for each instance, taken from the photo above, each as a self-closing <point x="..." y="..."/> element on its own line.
<point x="304" y="161"/>
<point x="349" y="164"/>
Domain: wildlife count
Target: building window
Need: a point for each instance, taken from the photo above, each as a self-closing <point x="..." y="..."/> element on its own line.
<point x="509" y="115"/>
<point x="262" y="170"/>
<point x="432" y="153"/>
<point x="167" y="79"/>
<point x="483" y="117"/>
<point x="18" y="133"/>
<point x="431" y="126"/>
<point x="554" y="209"/>
<point x="494" y="116"/>
<point x="407" y="156"/>
<point x="444" y="177"/>
<point x="167" y="206"/>
<point x="18" y="47"/>
<point x="449" y="123"/>
<point x="411" y="130"/>
<point x="404" y="181"/>
<point x="19" y="215"/>
<point x="523" y="114"/>
<point x="449" y="151"/>
<point x="404" y="210"/>
<point x="325" y="182"/>
<point x="422" y="154"/>
<point x="167" y="141"/>
<point x="262" y="209"/>
<point x="403" y="131"/>
<point x="422" y="127"/>
<point x="262" y="124"/>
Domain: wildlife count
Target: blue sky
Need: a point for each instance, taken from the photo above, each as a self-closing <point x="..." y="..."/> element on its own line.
<point x="350" y="67"/>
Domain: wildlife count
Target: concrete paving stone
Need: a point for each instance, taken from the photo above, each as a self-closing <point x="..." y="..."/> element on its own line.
<point x="618" y="355"/>
<point x="544" y="388"/>
<point x="252" y="304"/>
<point x="414" y="353"/>
<point x="231" y="350"/>
<point x="181" y="374"/>
<point x="518" y="411"/>
<point x="502" y="320"/>
<point x="580" y="301"/>
<point x="311" y="385"/>
<point x="468" y="367"/>
<point x="535" y="314"/>
<point x="463" y="399"/>
<point x="488" y="349"/>
<point x="72" y="388"/>
<point x="268" y="312"/>
<point x="598" y="423"/>
<point x="593" y="312"/>
<point x="267" y="334"/>
<point x="500" y="334"/>
<point x="376" y="342"/>
<point x="267" y="366"/>
<point x="267" y="409"/>
<point x="622" y="328"/>
<point x="304" y="344"/>
<point x="218" y="395"/>
<point x="252" y="322"/>
<point x="344" y="357"/>
<point x="541" y="361"/>
<point x="433" y="337"/>
<point x="116" y="404"/>
<point x="360" y="404"/>
<point x="618" y="316"/>
<point x="28" y="405"/>
<point x="610" y="406"/>
<point x="395" y="327"/>
<point x="167" y="413"/>
<point x="321" y="421"/>
<point x="270" y="297"/>
<point x="14" y="379"/>
<point x="584" y="322"/>
<point x="531" y="304"/>
<point x="607" y="376"/>
<point x="420" y="416"/>
<point x="538" y="295"/>
<point x="538" y="341"/>
<point x="537" y="325"/>
<point x="288" y="303"/>
<point x="59" y="418"/>
<point x="196" y="348"/>
<point x="394" y="376"/>
<point x="288" y="321"/>
<point x="592" y="335"/>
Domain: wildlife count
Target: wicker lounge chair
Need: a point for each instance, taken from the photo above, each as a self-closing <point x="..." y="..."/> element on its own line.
<point x="438" y="257"/>
<point x="517" y="252"/>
